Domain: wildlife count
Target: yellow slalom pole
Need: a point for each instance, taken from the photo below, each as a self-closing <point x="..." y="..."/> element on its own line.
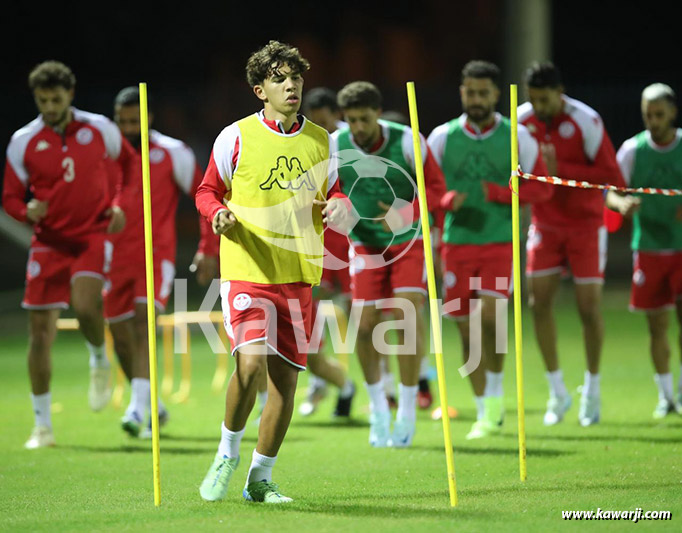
<point x="433" y="296"/>
<point x="151" y="311"/>
<point x="516" y="242"/>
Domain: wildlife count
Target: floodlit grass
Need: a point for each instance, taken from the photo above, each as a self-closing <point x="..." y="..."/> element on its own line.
<point x="98" y="479"/>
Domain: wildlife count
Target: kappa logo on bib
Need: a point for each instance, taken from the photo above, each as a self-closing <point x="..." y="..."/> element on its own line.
<point x="84" y="136"/>
<point x="241" y="301"/>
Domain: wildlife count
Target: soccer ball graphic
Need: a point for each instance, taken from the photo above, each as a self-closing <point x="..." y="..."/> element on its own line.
<point x="371" y="186"/>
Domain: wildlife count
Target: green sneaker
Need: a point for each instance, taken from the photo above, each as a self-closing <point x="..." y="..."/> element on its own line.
<point x="481" y="429"/>
<point x="494" y="410"/>
<point x="214" y="486"/>
<point x="264" y="491"/>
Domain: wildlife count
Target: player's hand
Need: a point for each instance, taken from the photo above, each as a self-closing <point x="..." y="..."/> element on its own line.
<point x="392" y="220"/>
<point x="223" y="222"/>
<point x="337" y="213"/>
<point x="460" y="198"/>
<point x="629" y="205"/>
<point x="549" y="155"/>
<point x="206" y="267"/>
<point x="36" y="210"/>
<point x="118" y="219"/>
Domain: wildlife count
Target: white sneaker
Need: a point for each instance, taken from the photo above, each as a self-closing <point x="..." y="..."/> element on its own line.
<point x="403" y="433"/>
<point x="380" y="429"/>
<point x="316" y="393"/>
<point x="665" y="407"/>
<point x="556" y="408"/>
<point x="99" y="392"/>
<point x="589" y="410"/>
<point x="41" y="437"/>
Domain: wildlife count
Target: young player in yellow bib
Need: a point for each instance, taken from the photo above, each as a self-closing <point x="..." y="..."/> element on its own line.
<point x="267" y="191"/>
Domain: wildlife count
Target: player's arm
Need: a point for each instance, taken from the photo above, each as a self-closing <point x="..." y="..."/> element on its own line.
<point x="16" y="183"/>
<point x="217" y="181"/>
<point x="625" y="204"/>
<point x="336" y="209"/>
<point x="599" y="150"/>
<point x="530" y="192"/>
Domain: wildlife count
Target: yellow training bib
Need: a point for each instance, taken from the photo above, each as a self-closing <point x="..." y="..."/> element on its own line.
<point x="278" y="235"/>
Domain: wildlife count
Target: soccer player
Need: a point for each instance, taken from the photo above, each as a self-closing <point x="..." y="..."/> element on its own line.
<point x="474" y="152"/>
<point x="173" y="169"/>
<point x="387" y="257"/>
<point x="264" y="182"/>
<point x="567" y="230"/>
<point x="653" y="158"/>
<point x="59" y="159"/>
<point x="320" y="106"/>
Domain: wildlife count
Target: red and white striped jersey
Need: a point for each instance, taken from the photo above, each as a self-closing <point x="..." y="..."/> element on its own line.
<point x="69" y="171"/>
<point x="584" y="152"/>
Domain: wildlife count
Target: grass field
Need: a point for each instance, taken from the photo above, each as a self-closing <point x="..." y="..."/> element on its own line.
<point x="98" y="479"/>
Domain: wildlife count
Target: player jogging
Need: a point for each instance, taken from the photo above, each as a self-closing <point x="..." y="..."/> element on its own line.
<point x="387" y="256"/>
<point x="260" y="189"/>
<point x="173" y="169"/>
<point x="473" y="151"/>
<point x="60" y="160"/>
<point x="653" y="158"/>
<point x="567" y="231"/>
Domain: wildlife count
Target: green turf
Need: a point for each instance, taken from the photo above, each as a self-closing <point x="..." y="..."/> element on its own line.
<point x="98" y="479"/>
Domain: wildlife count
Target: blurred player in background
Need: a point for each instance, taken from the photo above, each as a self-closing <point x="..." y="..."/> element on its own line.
<point x="320" y="106"/>
<point x="257" y="182"/>
<point x="59" y="159"/>
<point x="392" y="236"/>
<point x="474" y="152"/>
<point x="173" y="169"/>
<point x="568" y="230"/>
<point x="653" y="158"/>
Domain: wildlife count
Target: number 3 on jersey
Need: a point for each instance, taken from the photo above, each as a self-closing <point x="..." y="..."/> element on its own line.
<point x="69" y="169"/>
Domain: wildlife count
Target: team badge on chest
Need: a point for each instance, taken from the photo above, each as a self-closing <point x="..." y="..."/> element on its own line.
<point x="84" y="136"/>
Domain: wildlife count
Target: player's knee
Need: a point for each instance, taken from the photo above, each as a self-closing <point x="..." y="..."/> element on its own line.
<point x="590" y="315"/>
<point x="250" y="368"/>
<point x="40" y="338"/>
<point x="87" y="307"/>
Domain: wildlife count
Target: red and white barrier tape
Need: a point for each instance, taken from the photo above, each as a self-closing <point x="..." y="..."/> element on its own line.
<point x="553" y="180"/>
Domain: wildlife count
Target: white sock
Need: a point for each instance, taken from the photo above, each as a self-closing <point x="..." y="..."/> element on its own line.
<point x="98" y="356"/>
<point x="407" y="402"/>
<point x="556" y="384"/>
<point x="424" y="368"/>
<point x="591" y="386"/>
<point x="388" y="382"/>
<point x="480" y="407"/>
<point x="377" y="398"/>
<point x="347" y="389"/>
<point x="665" y="386"/>
<point x="261" y="468"/>
<point x="229" y="442"/>
<point x="133" y="399"/>
<point x="493" y="383"/>
<point x="316" y="382"/>
<point x="41" y="409"/>
<point x="141" y="392"/>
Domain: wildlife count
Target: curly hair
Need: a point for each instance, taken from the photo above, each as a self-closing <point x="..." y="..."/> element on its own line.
<point x="359" y="94"/>
<point x="51" y="74"/>
<point x="268" y="60"/>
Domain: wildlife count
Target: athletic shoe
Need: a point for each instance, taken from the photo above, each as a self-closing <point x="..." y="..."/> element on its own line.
<point x="343" y="405"/>
<point x="481" y="429"/>
<point x="146" y="432"/>
<point x="665" y="407"/>
<point x="131" y="423"/>
<point x="379" y="429"/>
<point x="264" y="491"/>
<point x="99" y="392"/>
<point x="315" y="395"/>
<point x="214" y="486"/>
<point x="41" y="437"/>
<point x="556" y="408"/>
<point x="403" y="433"/>
<point x="491" y="423"/>
<point x="589" y="410"/>
<point x="424" y="397"/>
